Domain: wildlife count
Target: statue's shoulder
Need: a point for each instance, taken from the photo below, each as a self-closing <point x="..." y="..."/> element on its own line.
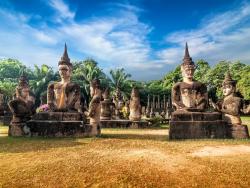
<point x="52" y="85"/>
<point x="177" y="85"/>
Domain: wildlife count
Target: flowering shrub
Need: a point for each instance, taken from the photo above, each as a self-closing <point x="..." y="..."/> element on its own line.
<point x="43" y="108"/>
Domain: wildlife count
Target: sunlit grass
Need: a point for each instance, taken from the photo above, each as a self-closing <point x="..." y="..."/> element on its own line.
<point x="120" y="158"/>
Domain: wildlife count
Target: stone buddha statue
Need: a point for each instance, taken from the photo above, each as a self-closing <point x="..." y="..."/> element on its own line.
<point x="22" y="107"/>
<point x="95" y="106"/>
<point x="135" y="105"/>
<point x="189" y="95"/>
<point x="106" y="106"/>
<point x="62" y="96"/>
<point x="231" y="106"/>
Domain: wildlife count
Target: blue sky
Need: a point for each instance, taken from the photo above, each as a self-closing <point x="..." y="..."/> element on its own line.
<point x="146" y="37"/>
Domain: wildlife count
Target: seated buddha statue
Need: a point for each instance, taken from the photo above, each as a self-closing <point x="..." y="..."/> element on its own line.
<point x="231" y="106"/>
<point x="22" y="107"/>
<point x="189" y="95"/>
<point x="62" y="96"/>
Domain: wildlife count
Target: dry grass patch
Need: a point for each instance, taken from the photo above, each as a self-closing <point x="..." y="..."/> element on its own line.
<point x="121" y="158"/>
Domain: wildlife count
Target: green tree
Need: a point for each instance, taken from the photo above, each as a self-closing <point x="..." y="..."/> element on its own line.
<point x="121" y="80"/>
<point x="40" y="80"/>
<point x="84" y="72"/>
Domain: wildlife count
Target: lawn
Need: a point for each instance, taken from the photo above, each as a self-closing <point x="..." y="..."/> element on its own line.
<point x="123" y="158"/>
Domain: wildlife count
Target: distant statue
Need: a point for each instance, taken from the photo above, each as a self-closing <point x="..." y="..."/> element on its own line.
<point x="1" y="103"/>
<point x="231" y="107"/>
<point x="22" y="108"/>
<point x="106" y="106"/>
<point x="119" y="103"/>
<point x="62" y="96"/>
<point x="135" y="106"/>
<point x="189" y="95"/>
<point x="95" y="106"/>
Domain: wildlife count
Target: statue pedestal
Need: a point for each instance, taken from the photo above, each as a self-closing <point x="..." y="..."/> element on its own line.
<point x="59" y="124"/>
<point x="238" y="131"/>
<point x="197" y="125"/>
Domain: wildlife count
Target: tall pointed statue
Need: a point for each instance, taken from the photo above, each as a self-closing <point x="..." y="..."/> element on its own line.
<point x="189" y="95"/>
<point x="63" y="95"/>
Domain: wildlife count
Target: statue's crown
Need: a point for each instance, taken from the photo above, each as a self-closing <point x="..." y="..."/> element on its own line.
<point x="187" y="60"/>
<point x="65" y="58"/>
<point x="23" y="82"/>
<point x="228" y="80"/>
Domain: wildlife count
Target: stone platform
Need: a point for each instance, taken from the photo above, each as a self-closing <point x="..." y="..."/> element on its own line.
<point x="197" y="125"/>
<point x="121" y="123"/>
<point x="59" y="124"/>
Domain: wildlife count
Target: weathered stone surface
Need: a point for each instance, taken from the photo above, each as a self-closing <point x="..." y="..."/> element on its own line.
<point x="197" y="125"/>
<point x="123" y="124"/>
<point x="59" y="124"/>
<point x="59" y="128"/>
<point x="238" y="131"/>
<point x="58" y="116"/>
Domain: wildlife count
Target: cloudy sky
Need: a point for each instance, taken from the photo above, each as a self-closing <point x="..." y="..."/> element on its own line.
<point x="146" y="37"/>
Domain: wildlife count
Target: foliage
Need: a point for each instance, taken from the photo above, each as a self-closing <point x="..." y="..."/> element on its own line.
<point x="120" y="79"/>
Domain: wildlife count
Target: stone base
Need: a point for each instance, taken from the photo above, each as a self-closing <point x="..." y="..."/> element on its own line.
<point x="123" y="124"/>
<point x="16" y="129"/>
<point x="238" y="131"/>
<point x="59" y="124"/>
<point x="197" y="125"/>
<point x="6" y="119"/>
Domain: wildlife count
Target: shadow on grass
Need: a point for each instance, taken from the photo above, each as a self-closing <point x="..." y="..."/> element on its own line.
<point x="136" y="136"/>
<point x="35" y="144"/>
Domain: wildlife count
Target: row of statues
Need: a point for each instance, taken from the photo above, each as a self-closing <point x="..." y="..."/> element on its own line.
<point x="63" y="96"/>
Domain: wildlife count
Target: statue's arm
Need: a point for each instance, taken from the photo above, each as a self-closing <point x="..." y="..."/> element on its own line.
<point x="233" y="108"/>
<point x="75" y="97"/>
<point x="176" y="97"/>
<point x="93" y="106"/>
<point x="50" y="96"/>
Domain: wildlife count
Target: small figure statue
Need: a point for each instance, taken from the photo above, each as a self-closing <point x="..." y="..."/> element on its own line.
<point x="95" y="107"/>
<point x="119" y="103"/>
<point x="62" y="96"/>
<point x="106" y="106"/>
<point x="22" y="108"/>
<point x="125" y="111"/>
<point x="231" y="107"/>
<point x="135" y="106"/>
<point x="189" y="95"/>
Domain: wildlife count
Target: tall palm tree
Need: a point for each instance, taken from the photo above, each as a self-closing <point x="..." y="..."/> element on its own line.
<point x="41" y="78"/>
<point x="84" y="72"/>
<point x="120" y="81"/>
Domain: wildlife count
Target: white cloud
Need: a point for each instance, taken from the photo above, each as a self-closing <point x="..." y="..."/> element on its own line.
<point x="223" y="36"/>
<point x="62" y="10"/>
<point x="121" y="40"/>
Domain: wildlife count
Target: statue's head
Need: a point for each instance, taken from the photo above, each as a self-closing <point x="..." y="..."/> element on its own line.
<point x="64" y="65"/>
<point x="228" y="85"/>
<point x="95" y="87"/>
<point x="22" y="89"/>
<point x="188" y="66"/>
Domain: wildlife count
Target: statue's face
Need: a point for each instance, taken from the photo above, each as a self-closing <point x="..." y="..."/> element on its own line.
<point x="187" y="72"/>
<point x="228" y="89"/>
<point x="64" y="71"/>
<point x="25" y="92"/>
